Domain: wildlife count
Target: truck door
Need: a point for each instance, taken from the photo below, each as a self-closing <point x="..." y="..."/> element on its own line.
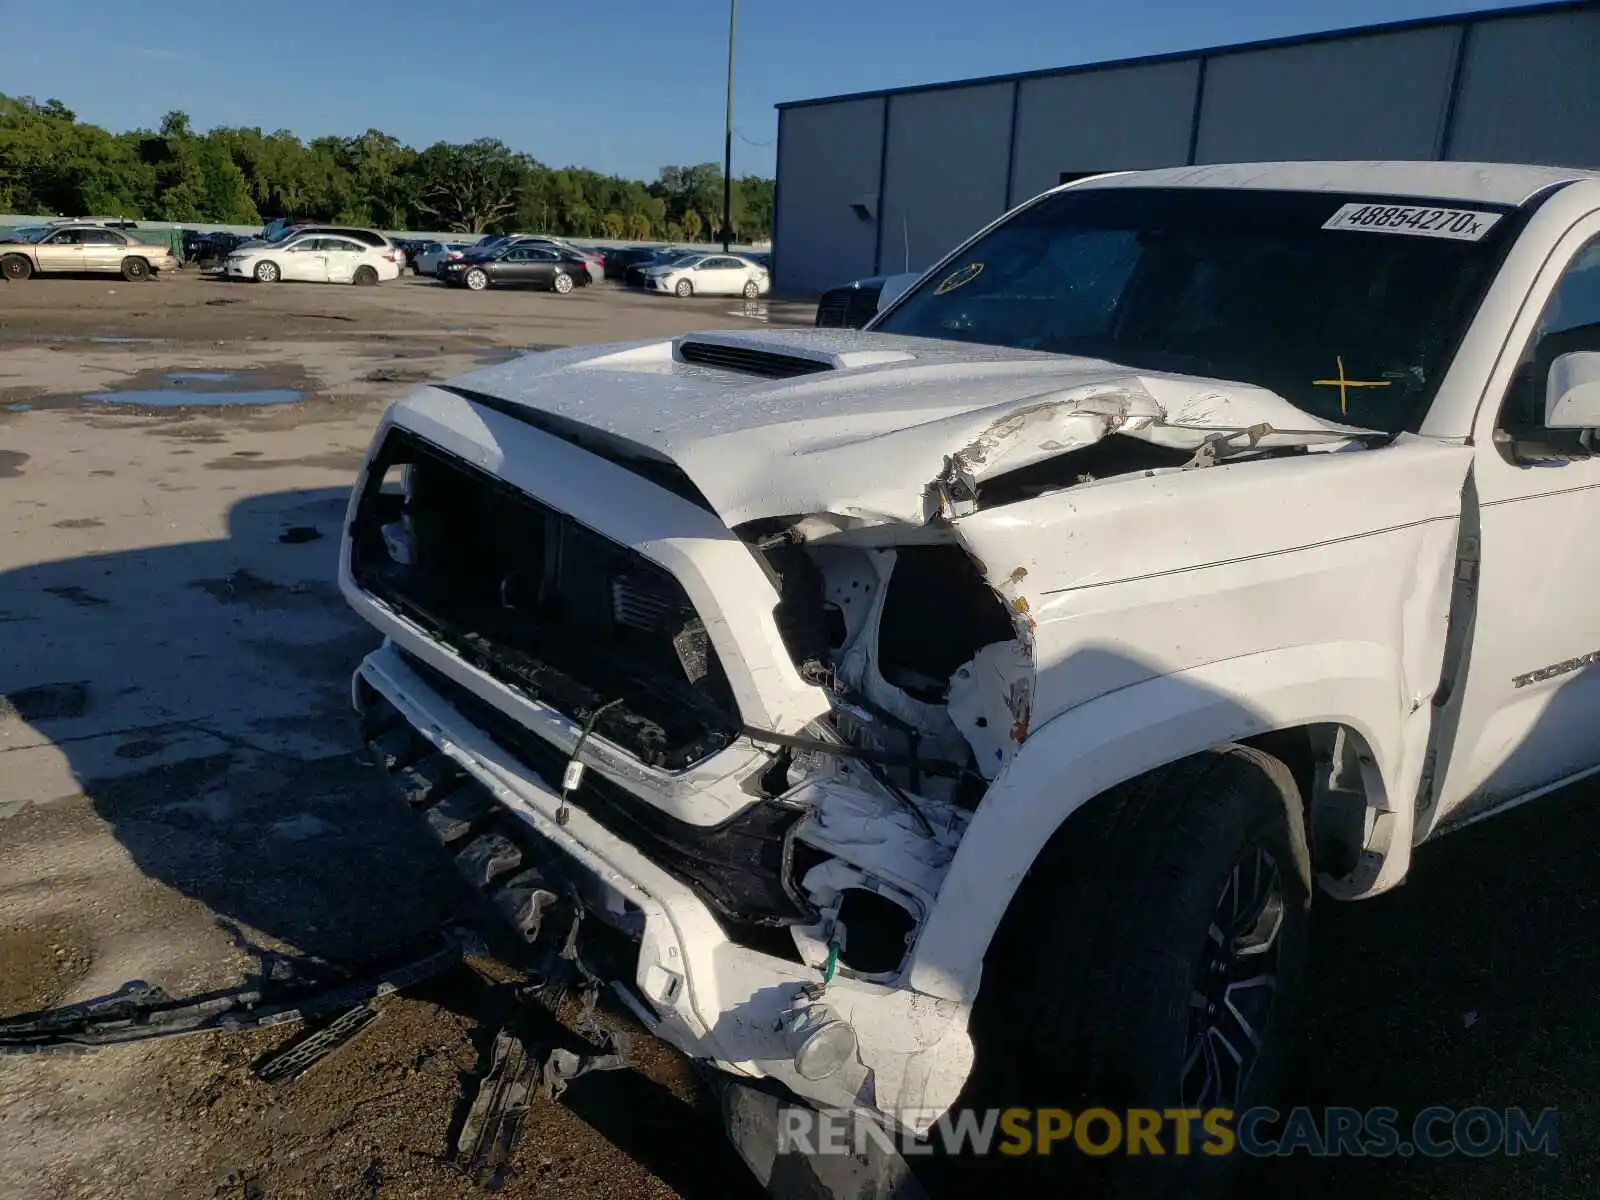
<point x="1532" y="689"/>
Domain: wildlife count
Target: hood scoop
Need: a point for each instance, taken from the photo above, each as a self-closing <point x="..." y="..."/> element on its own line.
<point x="748" y="360"/>
<point x="778" y="357"/>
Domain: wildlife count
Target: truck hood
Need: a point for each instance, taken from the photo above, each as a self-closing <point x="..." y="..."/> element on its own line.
<point x="866" y="425"/>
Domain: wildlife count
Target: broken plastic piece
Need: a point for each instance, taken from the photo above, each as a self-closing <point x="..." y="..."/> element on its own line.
<point x="308" y="1051"/>
<point x="489" y="1133"/>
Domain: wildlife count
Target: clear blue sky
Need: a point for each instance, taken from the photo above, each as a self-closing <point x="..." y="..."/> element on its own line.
<point x="638" y="85"/>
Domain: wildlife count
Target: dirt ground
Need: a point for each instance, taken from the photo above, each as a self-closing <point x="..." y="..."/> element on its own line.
<point x="182" y="800"/>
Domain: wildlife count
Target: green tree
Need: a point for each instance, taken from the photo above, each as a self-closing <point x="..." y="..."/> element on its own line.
<point x="691" y="226"/>
<point x="50" y="162"/>
<point x="471" y="188"/>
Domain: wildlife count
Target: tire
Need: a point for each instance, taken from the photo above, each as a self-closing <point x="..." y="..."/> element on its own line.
<point x="476" y="279"/>
<point x="365" y="277"/>
<point x="134" y="269"/>
<point x="751" y="289"/>
<point x="1087" y="1000"/>
<point x="684" y="290"/>
<point x="16" y="268"/>
<point x="267" y="272"/>
<point x="562" y="283"/>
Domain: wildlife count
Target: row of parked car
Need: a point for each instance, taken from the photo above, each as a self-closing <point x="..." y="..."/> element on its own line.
<point x="347" y="254"/>
<point x="542" y="261"/>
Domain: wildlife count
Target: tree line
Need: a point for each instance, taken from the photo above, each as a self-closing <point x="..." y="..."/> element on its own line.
<point x="52" y="163"/>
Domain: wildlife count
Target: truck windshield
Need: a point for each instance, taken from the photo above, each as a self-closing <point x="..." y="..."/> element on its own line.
<point x="1349" y="307"/>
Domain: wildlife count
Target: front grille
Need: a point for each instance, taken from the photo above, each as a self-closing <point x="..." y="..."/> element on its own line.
<point x="749" y="360"/>
<point x="740" y="868"/>
<point x="848" y="307"/>
<point x="543" y="604"/>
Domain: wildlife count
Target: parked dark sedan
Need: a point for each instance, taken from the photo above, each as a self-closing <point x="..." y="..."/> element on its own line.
<point x="517" y="265"/>
<point x="619" y="260"/>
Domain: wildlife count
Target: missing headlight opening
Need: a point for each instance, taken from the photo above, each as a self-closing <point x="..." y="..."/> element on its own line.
<point x="918" y="651"/>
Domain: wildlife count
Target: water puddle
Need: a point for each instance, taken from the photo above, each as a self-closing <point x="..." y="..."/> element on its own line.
<point x="127" y="341"/>
<point x="491" y="356"/>
<point x="187" y="398"/>
<point x="19" y="408"/>
<point x="196" y="387"/>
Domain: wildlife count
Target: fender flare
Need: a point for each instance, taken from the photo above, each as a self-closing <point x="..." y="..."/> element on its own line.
<point x="1082" y="752"/>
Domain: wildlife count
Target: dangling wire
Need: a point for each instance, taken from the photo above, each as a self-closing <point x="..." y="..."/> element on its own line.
<point x="572" y="775"/>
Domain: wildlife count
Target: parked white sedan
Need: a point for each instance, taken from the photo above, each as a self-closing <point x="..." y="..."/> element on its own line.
<point x="709" y="275"/>
<point x="315" y="258"/>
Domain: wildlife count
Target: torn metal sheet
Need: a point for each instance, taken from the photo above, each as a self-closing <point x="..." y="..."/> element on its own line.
<point x="990" y="703"/>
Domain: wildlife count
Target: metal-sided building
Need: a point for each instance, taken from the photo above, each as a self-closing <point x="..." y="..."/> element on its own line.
<point x="880" y="182"/>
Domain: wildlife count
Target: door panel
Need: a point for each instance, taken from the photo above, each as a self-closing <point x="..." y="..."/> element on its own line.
<point x="103" y="250"/>
<point x="305" y="262"/>
<point x="342" y="259"/>
<point x="61" y="252"/>
<point x="722" y="277"/>
<point x="1531" y="700"/>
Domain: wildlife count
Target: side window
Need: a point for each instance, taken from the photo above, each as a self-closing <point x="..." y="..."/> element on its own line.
<point x="102" y="237"/>
<point x="1570" y="321"/>
<point x="67" y="237"/>
<point x="542" y="255"/>
<point x="342" y="246"/>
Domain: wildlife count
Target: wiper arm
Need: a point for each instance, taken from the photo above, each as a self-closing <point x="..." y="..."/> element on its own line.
<point x="1228" y="440"/>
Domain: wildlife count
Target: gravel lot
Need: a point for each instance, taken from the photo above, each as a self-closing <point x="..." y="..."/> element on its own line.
<point x="181" y="800"/>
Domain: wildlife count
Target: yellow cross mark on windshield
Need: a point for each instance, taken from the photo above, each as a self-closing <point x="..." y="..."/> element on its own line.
<point x="1342" y="384"/>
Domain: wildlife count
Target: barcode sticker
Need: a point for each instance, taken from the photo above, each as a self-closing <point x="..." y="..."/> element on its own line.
<point x="1461" y="224"/>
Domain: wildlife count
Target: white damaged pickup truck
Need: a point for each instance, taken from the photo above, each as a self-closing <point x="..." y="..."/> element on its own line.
<point x="970" y="705"/>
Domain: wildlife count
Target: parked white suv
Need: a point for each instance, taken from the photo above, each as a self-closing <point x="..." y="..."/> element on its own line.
<point x="1003" y="679"/>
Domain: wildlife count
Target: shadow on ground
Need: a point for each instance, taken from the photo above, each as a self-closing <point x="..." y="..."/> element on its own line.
<point x="198" y="696"/>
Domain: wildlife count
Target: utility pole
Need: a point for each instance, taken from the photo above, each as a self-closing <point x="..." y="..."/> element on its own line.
<point x="727" y="137"/>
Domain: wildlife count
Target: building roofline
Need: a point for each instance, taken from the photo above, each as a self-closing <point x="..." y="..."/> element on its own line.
<point x="1151" y="60"/>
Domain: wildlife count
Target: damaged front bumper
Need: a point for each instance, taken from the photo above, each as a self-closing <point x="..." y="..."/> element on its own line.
<point x="751" y="856"/>
<point x="691" y="984"/>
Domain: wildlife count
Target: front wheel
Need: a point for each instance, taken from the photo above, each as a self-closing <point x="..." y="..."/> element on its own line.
<point x="477" y="279"/>
<point x="1153" y="960"/>
<point x="685" y="289"/>
<point x="267" y="272"/>
<point x="15" y="268"/>
<point x="562" y="282"/>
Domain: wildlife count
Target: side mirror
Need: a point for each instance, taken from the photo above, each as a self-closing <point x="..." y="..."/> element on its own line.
<point x="1572" y="395"/>
<point x="894" y="287"/>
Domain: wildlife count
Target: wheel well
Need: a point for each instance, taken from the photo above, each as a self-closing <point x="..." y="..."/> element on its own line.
<point x="1341" y="794"/>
